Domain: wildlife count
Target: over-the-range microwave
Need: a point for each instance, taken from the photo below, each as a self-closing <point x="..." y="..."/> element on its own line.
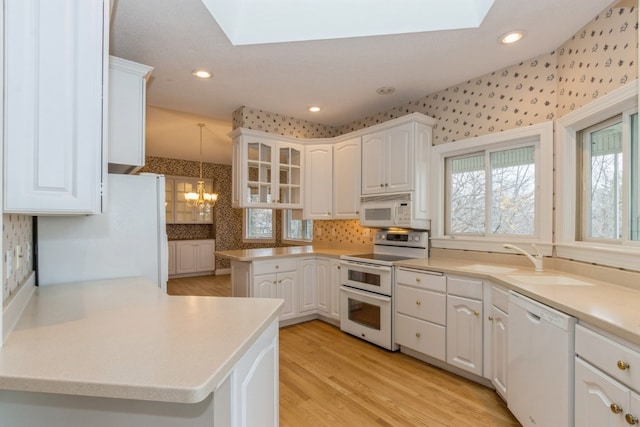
<point x="392" y="210"/>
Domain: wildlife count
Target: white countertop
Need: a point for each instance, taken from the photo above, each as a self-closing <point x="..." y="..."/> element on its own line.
<point x="613" y="308"/>
<point x="125" y="338"/>
<point x="289" y="251"/>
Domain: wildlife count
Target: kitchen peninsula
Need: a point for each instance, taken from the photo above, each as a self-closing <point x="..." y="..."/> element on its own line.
<point x="121" y="352"/>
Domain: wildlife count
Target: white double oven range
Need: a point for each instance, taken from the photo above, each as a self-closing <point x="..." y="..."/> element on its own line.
<point x="368" y="284"/>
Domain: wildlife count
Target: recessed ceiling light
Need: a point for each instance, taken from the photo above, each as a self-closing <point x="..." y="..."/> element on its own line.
<point x="314" y="109"/>
<point x="511" y="37"/>
<point x="385" y="90"/>
<point x="203" y="74"/>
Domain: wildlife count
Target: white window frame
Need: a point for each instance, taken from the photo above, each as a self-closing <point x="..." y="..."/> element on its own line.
<point x="541" y="135"/>
<point x="245" y="223"/>
<point x="285" y="229"/>
<point x="622" y="255"/>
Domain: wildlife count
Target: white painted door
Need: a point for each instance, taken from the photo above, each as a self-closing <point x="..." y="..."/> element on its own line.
<point x="373" y="163"/>
<point x="464" y="333"/>
<point x="206" y="260"/>
<point x="597" y="397"/>
<point x="347" y="160"/>
<point x="499" y="323"/>
<point x="323" y="285"/>
<point x="335" y="289"/>
<point x="55" y="66"/>
<point x="186" y="256"/>
<point x="318" y="182"/>
<point x="286" y="289"/>
<point x="265" y="286"/>
<point x="307" y="285"/>
<point x="399" y="158"/>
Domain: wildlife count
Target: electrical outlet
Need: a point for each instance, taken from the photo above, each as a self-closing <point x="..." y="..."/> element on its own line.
<point x="8" y="263"/>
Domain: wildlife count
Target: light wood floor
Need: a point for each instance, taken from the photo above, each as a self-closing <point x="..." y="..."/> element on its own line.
<point x="329" y="378"/>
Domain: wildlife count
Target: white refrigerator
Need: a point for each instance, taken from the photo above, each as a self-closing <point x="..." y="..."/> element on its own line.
<point x="128" y="239"/>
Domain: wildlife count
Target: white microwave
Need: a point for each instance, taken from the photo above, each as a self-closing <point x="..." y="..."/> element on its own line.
<point x="393" y="210"/>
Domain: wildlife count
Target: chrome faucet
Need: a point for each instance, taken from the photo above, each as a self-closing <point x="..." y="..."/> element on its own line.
<point x="536" y="258"/>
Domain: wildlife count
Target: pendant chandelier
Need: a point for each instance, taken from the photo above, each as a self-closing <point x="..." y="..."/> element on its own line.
<point x="201" y="199"/>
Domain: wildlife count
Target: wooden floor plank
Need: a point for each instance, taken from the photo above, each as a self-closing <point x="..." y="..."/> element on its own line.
<point x="329" y="378"/>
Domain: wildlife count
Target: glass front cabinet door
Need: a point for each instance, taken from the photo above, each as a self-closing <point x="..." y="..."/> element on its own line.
<point x="267" y="173"/>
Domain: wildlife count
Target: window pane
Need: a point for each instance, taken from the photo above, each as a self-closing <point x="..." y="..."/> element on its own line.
<point x="259" y="223"/>
<point x="297" y="229"/>
<point x="605" y="186"/>
<point x="466" y="194"/>
<point x="635" y="180"/>
<point x="513" y="185"/>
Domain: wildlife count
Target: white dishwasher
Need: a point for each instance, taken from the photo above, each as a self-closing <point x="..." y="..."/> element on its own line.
<point x="540" y="363"/>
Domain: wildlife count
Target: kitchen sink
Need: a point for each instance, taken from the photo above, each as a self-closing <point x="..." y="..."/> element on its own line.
<point x="535" y="279"/>
<point x="483" y="268"/>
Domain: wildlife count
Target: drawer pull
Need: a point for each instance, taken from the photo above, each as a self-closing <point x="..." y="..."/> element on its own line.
<point x="476" y="313"/>
<point x="615" y="408"/>
<point x="418" y="302"/>
<point x="631" y="419"/>
<point x="417" y="334"/>
<point x="277" y="266"/>
<point x="622" y="365"/>
<point x="491" y="318"/>
<point x="418" y="279"/>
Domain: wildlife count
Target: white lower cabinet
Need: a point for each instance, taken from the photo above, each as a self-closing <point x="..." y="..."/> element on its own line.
<point x="316" y="286"/>
<point x="420" y="317"/>
<point x="277" y="279"/>
<point x="334" y="286"/>
<point x="171" y="257"/>
<point x="464" y="323"/>
<point x="495" y="339"/>
<point x="194" y="256"/>
<point x="307" y="285"/>
<point x="607" y="385"/>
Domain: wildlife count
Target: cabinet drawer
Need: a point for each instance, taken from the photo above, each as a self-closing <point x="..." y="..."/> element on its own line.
<point x="464" y="287"/>
<point x="500" y="298"/>
<point x="424" y="337"/>
<point x="617" y="360"/>
<point x="274" y="265"/>
<point x="422" y="279"/>
<point x="423" y="304"/>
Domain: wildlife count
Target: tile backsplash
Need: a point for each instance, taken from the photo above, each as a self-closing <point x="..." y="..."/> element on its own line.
<point x="17" y="230"/>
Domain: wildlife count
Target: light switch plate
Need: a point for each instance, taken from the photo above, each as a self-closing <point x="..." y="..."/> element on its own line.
<point x="8" y="263"/>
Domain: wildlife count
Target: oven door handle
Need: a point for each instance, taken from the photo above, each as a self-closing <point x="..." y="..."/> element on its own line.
<point x="372" y="266"/>
<point x="365" y="294"/>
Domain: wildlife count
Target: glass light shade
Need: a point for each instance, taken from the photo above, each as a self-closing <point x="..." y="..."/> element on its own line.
<point x="201" y="199"/>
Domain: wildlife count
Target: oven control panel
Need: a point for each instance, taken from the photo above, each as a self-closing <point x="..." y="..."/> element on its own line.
<point x="405" y="238"/>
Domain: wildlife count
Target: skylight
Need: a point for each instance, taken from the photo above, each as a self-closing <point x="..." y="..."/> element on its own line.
<point x="275" y="21"/>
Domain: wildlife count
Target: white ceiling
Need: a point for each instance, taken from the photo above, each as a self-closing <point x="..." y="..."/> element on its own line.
<point x="339" y="75"/>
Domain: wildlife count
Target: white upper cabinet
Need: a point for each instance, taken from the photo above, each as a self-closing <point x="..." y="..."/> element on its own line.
<point x="396" y="159"/>
<point x="55" y="68"/>
<point x="267" y="173"/>
<point x="127" y="114"/>
<point x="347" y="159"/>
<point x="318" y="181"/>
<point x="386" y="160"/>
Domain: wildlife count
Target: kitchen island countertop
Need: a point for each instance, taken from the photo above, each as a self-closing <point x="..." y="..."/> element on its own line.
<point x="125" y="338"/>
<point x="293" y="251"/>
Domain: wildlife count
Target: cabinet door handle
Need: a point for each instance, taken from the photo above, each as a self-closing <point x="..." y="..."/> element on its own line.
<point x="490" y="318"/>
<point x="622" y="365"/>
<point x="277" y="267"/>
<point x="418" y="302"/>
<point x="417" y="334"/>
<point x="476" y="313"/>
<point x="279" y="281"/>
<point x="386" y="184"/>
<point x="418" y="279"/>
<point x="275" y="282"/>
<point x="615" y="408"/>
<point x="631" y="419"/>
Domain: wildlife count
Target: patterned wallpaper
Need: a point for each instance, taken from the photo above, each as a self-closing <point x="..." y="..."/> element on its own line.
<point x="601" y="57"/>
<point x="253" y="118"/>
<point x="16" y="230"/>
<point x="341" y="232"/>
